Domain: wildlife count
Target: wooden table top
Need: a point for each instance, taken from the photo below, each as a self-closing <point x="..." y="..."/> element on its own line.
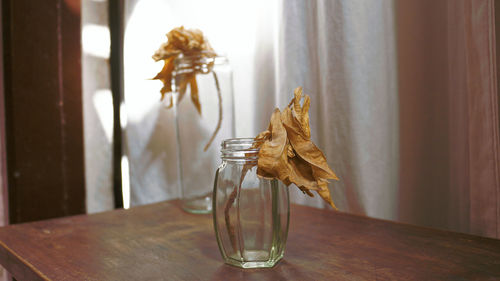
<point x="161" y="242"/>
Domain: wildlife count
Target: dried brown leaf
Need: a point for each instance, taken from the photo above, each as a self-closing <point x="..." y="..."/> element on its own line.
<point x="185" y="42"/>
<point x="182" y="88"/>
<point x="324" y="193"/>
<point x="171" y="102"/>
<point x="194" y="93"/>
<point x="165" y="76"/>
<point x="288" y="154"/>
<point x="301" y="114"/>
<point x="271" y="160"/>
<point x="260" y="138"/>
<point x="305" y="148"/>
<point x="219" y="121"/>
<point x="301" y="174"/>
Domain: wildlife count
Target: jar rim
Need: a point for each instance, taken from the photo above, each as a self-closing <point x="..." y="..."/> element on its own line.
<point x="203" y="57"/>
<point x="239" y="149"/>
<point x="198" y="63"/>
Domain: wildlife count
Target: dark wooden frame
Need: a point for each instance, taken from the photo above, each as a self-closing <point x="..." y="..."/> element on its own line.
<point x="497" y="49"/>
<point x="42" y="96"/>
<point x="116" y="9"/>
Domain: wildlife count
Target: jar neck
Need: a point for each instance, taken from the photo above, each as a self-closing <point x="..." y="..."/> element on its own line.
<point x="199" y="63"/>
<point x="239" y="150"/>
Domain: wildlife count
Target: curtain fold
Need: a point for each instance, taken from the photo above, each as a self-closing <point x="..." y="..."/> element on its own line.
<point x="482" y="96"/>
<point x="449" y="115"/>
<point x="343" y="54"/>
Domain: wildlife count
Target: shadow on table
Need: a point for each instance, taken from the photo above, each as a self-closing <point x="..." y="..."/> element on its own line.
<point x="282" y="271"/>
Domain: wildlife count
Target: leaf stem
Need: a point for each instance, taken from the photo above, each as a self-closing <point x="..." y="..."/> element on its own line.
<point x="219" y="122"/>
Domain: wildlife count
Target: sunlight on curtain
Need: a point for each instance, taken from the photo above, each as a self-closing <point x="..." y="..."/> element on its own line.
<point x="342" y="52"/>
<point x="235" y="29"/>
<point x="97" y="106"/>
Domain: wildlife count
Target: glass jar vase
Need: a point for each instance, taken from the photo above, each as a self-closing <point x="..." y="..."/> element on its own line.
<point x="199" y="130"/>
<point x="250" y="213"/>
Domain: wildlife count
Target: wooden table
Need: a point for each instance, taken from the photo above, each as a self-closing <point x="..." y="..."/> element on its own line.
<point x="161" y="242"/>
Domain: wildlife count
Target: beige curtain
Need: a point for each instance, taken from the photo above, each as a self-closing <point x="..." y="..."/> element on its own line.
<point x="97" y="107"/>
<point x="343" y="53"/>
<point x="448" y="115"/>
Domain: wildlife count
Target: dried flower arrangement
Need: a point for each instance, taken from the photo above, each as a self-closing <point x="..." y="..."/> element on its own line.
<point x="288" y="154"/>
<point x="286" y="151"/>
<point x="186" y="43"/>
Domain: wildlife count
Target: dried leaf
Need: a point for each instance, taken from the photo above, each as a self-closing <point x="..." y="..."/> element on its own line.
<point x="324" y="193"/>
<point x="194" y="93"/>
<point x="261" y="137"/>
<point x="186" y="42"/>
<point x="301" y="174"/>
<point x="271" y="160"/>
<point x="219" y="121"/>
<point x="182" y="87"/>
<point x="305" y="148"/>
<point x="288" y="154"/>
<point x="165" y="76"/>
<point x="301" y="114"/>
<point x="171" y="102"/>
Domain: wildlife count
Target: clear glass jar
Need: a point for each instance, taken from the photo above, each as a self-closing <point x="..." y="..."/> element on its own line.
<point x="250" y="213"/>
<point x="194" y="130"/>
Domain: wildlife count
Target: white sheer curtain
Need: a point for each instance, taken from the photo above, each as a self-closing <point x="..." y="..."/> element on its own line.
<point x="341" y="52"/>
<point x="236" y="29"/>
<point x="97" y="106"/>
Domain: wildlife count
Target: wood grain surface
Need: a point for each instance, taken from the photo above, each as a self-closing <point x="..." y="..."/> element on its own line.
<point x="161" y="242"/>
